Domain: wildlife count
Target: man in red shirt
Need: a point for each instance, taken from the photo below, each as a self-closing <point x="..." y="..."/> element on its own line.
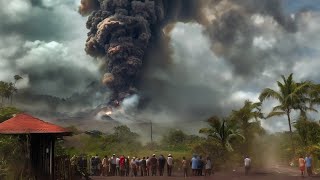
<point x="122" y="165"/>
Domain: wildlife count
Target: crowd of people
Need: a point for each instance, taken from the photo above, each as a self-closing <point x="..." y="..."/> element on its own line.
<point x="157" y="166"/>
<point x="147" y="166"/>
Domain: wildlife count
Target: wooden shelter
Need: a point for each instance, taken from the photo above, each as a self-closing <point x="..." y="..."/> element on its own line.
<point x="41" y="138"/>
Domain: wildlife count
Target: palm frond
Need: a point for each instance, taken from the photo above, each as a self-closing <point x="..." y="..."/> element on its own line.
<point x="269" y="93"/>
<point x="275" y="113"/>
<point x="278" y="108"/>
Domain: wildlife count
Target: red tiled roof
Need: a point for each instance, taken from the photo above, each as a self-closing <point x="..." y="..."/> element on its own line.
<point x="26" y="124"/>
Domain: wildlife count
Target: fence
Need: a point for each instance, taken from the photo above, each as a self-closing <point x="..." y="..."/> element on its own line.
<point x="62" y="168"/>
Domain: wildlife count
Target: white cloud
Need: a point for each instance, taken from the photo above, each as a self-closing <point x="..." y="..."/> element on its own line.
<point x="263" y="43"/>
<point x="15" y="10"/>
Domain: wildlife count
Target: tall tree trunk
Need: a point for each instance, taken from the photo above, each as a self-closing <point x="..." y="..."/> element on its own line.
<point x="291" y="134"/>
<point x="246" y="137"/>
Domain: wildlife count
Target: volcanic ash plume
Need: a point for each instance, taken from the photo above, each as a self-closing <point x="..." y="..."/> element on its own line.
<point x="126" y="32"/>
<point x="120" y="31"/>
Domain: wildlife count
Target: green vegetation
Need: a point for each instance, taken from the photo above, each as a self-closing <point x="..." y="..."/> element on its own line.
<point x="225" y="139"/>
<point x="292" y="96"/>
<point x="7" y="113"/>
<point x="7" y="89"/>
<point x="12" y="149"/>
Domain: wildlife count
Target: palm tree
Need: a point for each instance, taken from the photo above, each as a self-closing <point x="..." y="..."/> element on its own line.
<point x="222" y="131"/>
<point x="291" y="96"/>
<point x="17" y="78"/>
<point x="247" y="118"/>
<point x="7" y="90"/>
<point x="314" y="94"/>
<point x="13" y="88"/>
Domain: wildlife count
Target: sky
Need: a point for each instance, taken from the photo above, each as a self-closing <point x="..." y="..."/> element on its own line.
<point x="43" y="40"/>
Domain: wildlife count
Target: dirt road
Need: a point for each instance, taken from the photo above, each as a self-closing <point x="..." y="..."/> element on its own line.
<point x="276" y="172"/>
<point x="215" y="177"/>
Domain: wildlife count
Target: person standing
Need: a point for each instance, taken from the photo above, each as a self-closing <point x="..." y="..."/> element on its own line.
<point x="302" y="165"/>
<point x="194" y="165"/>
<point x="143" y="167"/>
<point x="105" y="165"/>
<point x="184" y="167"/>
<point x="208" y="167"/>
<point x="148" y="166"/>
<point x="113" y="165"/>
<point x="134" y="167"/>
<point x="247" y="165"/>
<point x="122" y="165"/>
<point x="162" y="163"/>
<point x="117" y="166"/>
<point x="127" y="165"/>
<point x="99" y="165"/>
<point x="138" y="164"/>
<point x="153" y="164"/>
<point x="308" y="161"/>
<point x="93" y="165"/>
<point x="169" y="165"/>
<point x="200" y="166"/>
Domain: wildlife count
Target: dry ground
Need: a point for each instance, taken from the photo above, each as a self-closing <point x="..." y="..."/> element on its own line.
<point x="273" y="173"/>
<point x="215" y="177"/>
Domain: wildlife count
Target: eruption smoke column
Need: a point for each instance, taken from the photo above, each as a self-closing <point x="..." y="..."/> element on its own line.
<point x="121" y="31"/>
<point x="124" y="32"/>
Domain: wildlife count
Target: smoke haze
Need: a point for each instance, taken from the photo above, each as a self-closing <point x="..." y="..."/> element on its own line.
<point x="185" y="60"/>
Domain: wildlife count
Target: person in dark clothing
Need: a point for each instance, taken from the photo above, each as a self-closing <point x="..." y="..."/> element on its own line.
<point x="200" y="166"/>
<point x="143" y="166"/>
<point x="153" y="164"/>
<point x="127" y="165"/>
<point x="93" y="165"/>
<point x="138" y="164"/>
<point x="97" y="164"/>
<point x="162" y="162"/>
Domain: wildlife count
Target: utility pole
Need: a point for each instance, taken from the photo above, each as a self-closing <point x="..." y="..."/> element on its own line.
<point x="151" y="130"/>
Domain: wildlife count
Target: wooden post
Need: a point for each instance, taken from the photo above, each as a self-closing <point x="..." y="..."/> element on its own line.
<point x="151" y="131"/>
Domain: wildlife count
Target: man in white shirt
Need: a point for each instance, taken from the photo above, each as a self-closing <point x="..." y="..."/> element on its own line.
<point x="117" y="166"/>
<point x="148" y="166"/>
<point x="169" y="165"/>
<point x="247" y="165"/>
<point x="113" y="164"/>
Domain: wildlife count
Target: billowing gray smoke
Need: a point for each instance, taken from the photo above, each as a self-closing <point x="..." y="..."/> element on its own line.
<point x="121" y="31"/>
<point x="132" y="35"/>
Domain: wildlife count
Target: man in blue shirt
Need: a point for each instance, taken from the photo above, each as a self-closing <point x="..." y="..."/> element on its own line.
<point x="308" y="160"/>
<point x="194" y="164"/>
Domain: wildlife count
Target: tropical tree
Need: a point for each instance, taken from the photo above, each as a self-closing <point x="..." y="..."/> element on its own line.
<point x="174" y="138"/>
<point x="309" y="131"/>
<point x="17" y="78"/>
<point x="12" y="150"/>
<point x="314" y="94"/>
<point x="221" y="130"/>
<point x="13" y="88"/>
<point x="7" y="89"/>
<point x="247" y="119"/>
<point x="291" y="96"/>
